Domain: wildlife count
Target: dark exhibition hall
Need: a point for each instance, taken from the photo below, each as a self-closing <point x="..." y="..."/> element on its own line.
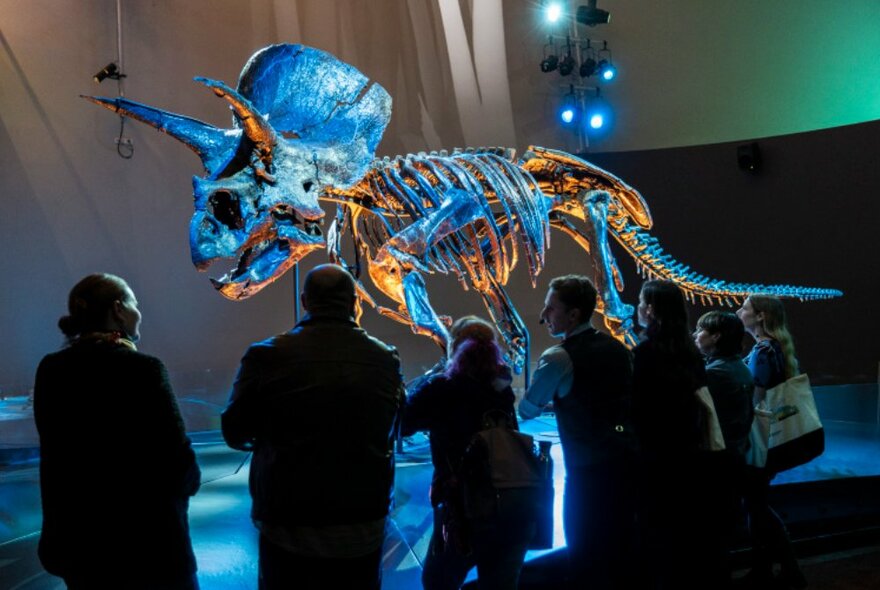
<point x="439" y="294"/>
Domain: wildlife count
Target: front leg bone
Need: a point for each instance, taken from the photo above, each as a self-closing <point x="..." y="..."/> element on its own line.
<point x="618" y="315"/>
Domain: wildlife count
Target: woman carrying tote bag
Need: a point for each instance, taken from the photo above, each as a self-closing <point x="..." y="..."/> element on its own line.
<point x="771" y="361"/>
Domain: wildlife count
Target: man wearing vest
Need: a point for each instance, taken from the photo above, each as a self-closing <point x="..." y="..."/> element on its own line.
<point x="588" y="377"/>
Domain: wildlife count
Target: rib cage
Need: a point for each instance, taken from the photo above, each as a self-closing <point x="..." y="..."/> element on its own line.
<point x="400" y="191"/>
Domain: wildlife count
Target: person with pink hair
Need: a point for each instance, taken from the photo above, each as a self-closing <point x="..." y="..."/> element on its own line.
<point x="451" y="406"/>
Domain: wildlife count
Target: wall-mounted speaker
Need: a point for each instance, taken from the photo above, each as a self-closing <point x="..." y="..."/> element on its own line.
<point x="748" y="157"/>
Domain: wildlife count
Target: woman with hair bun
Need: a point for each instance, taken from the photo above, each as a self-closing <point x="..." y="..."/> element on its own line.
<point x="451" y="406"/>
<point x="771" y="361"/>
<point x="116" y="467"/>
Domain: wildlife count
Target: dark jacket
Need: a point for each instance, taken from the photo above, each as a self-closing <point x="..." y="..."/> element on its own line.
<point x="731" y="386"/>
<point x="318" y="407"/>
<point x="594" y="418"/>
<point x="665" y="406"/>
<point x="452" y="410"/>
<point x="116" y="467"/>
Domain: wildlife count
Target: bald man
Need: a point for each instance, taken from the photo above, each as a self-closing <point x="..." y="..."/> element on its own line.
<point x="318" y="406"/>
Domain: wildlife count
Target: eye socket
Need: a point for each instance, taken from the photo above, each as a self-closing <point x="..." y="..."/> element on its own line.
<point x="226" y="208"/>
<point x="307" y="185"/>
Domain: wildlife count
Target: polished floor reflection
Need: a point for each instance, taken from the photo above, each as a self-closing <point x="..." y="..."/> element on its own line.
<point x="225" y="541"/>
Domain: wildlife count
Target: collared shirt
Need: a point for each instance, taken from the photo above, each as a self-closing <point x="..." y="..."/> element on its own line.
<point x="553" y="377"/>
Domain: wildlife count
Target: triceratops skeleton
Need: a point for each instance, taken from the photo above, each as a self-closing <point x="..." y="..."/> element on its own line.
<point x="305" y="129"/>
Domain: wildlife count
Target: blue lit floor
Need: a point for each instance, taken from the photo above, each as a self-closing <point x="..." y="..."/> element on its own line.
<point x="225" y="541"/>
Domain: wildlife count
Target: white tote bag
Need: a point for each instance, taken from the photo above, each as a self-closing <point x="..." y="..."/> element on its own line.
<point x="709" y="427"/>
<point x="786" y="431"/>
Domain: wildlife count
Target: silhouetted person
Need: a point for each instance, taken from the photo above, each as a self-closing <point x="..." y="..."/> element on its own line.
<point x="719" y="337"/>
<point x="451" y="406"/>
<point x="678" y="540"/>
<point x="771" y="361"/>
<point x="588" y="377"/>
<point x="116" y="466"/>
<point x="318" y="406"/>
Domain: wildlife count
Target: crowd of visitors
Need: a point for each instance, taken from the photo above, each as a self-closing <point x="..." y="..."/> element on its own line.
<point x="646" y="505"/>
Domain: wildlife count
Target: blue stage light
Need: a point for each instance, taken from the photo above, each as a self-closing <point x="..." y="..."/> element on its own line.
<point x="599" y="117"/>
<point x="567" y="114"/>
<point x="607" y="70"/>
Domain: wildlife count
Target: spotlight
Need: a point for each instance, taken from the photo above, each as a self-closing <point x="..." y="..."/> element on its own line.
<point x="553" y="12"/>
<point x="549" y="63"/>
<point x="607" y="71"/>
<point x="598" y="115"/>
<point x="591" y="16"/>
<point x="109" y="71"/>
<point x="570" y="111"/>
<point x="588" y="67"/>
<point x="567" y="114"/>
<point x="566" y="66"/>
<point x="551" y="60"/>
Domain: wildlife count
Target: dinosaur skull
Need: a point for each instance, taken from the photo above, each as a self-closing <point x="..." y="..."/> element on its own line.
<point x="265" y="224"/>
<point x="303" y="121"/>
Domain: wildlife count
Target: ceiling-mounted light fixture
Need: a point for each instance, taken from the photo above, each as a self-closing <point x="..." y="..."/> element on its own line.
<point x="570" y="111"/>
<point x="588" y="62"/>
<point x="607" y="71"/>
<point x="588" y="67"/>
<point x="598" y="115"/>
<point x="550" y="61"/>
<point x="566" y="65"/>
<point x="591" y="16"/>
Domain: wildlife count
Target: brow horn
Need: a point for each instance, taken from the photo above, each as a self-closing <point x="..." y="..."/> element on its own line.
<point x="255" y="126"/>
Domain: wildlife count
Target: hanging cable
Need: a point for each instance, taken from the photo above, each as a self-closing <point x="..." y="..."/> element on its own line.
<point x="124" y="145"/>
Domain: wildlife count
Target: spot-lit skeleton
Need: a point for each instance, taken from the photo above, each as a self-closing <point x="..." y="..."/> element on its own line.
<point x="305" y="130"/>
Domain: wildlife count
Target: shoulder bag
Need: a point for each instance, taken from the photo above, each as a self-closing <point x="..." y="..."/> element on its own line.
<point x="710" y="429"/>
<point x="786" y="431"/>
